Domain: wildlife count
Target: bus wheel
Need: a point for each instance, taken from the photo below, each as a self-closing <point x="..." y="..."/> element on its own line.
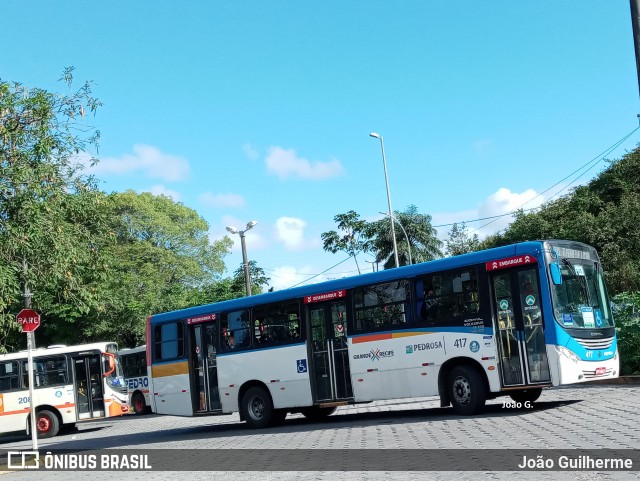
<point x="138" y="404"/>
<point x="526" y="395"/>
<point x="257" y="407"/>
<point x="47" y="424"/>
<point x="467" y="392"/>
<point x="316" y="412"/>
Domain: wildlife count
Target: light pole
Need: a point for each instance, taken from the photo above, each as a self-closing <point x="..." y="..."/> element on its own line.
<point x="386" y="180"/>
<point x="233" y="230"/>
<point x="405" y="235"/>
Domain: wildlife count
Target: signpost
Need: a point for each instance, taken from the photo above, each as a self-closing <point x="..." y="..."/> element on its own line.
<point x="30" y="321"/>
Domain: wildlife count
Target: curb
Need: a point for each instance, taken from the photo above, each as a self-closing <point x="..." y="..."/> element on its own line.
<point x="622" y="380"/>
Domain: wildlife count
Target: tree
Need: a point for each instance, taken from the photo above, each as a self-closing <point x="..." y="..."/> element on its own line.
<point x="160" y="256"/>
<point x="46" y="206"/>
<point x="602" y="213"/>
<point x="257" y="276"/>
<point x="352" y="239"/>
<point x="460" y="242"/>
<point x="422" y="238"/>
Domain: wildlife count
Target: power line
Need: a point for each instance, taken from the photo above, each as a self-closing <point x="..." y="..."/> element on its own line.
<point x="595" y="161"/>
<point x="344" y="260"/>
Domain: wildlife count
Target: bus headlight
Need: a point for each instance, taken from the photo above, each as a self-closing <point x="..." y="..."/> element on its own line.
<point x="563" y="351"/>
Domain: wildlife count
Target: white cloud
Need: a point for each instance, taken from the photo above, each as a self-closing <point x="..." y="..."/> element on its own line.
<point x="285" y="164"/>
<point x="250" y="151"/>
<point x="501" y="202"/>
<point x="162" y="190"/>
<point x="148" y="161"/>
<point x="291" y="232"/>
<point x="221" y="200"/>
<point x="285" y="277"/>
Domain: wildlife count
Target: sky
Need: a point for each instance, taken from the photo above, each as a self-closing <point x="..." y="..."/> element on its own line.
<point x="261" y="111"/>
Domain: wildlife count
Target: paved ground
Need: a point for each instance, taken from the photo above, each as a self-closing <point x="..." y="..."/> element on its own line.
<point x="588" y="418"/>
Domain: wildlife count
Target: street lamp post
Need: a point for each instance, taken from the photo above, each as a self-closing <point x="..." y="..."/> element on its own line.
<point x="405" y="235"/>
<point x="233" y="230"/>
<point x="386" y="180"/>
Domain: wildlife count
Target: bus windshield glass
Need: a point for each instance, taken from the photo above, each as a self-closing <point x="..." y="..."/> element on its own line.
<point x="115" y="379"/>
<point x="580" y="301"/>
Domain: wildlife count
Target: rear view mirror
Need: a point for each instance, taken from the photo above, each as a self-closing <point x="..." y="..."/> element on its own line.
<point x="556" y="275"/>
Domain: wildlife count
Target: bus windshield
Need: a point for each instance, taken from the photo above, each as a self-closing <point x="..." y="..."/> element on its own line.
<point x="580" y="301"/>
<point x="115" y="379"/>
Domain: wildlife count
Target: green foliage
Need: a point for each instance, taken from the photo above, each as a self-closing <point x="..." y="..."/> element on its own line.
<point x="627" y="319"/>
<point x="603" y="213"/>
<point x="460" y="242"/>
<point x="45" y="232"/>
<point x="352" y="238"/>
<point x="258" y="279"/>
<point x="159" y="256"/>
<point x="418" y="232"/>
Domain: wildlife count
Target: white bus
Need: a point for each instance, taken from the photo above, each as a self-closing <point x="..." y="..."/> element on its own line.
<point x="71" y="384"/>
<point x="133" y="366"/>
<point x="506" y="321"/>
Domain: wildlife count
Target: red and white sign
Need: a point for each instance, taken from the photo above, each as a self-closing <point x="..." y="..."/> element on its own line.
<point x="516" y="261"/>
<point x="327" y="296"/>
<point x="340" y="327"/>
<point x="29" y="319"/>
<point x="199" y="319"/>
<point x="601" y="371"/>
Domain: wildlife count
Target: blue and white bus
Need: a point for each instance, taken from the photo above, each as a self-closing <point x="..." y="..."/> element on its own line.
<point x="506" y="321"/>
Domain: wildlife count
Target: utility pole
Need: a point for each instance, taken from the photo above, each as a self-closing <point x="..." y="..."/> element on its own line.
<point x="31" y="345"/>
<point x="635" y="24"/>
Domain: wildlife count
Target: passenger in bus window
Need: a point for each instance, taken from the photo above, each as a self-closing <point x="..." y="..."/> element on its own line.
<point x="429" y="309"/>
<point x="231" y="343"/>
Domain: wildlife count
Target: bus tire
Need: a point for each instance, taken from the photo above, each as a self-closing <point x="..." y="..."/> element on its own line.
<point x="316" y="413"/>
<point x="47" y="424"/>
<point x="257" y="407"/>
<point x="138" y="404"/>
<point x="467" y="391"/>
<point x="526" y="395"/>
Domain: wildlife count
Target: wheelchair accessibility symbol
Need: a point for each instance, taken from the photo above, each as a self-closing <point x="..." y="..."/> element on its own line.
<point x="302" y="365"/>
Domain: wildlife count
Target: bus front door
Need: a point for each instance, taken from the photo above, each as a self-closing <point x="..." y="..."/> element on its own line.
<point x="87" y="374"/>
<point x="330" y="374"/>
<point x="206" y="396"/>
<point x="519" y="327"/>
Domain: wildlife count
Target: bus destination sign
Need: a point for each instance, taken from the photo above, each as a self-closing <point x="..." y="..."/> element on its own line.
<point x="515" y="261"/>
<point x="199" y="319"/>
<point x="327" y="296"/>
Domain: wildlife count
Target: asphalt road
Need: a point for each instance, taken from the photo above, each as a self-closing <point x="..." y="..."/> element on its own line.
<point x="590" y="419"/>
